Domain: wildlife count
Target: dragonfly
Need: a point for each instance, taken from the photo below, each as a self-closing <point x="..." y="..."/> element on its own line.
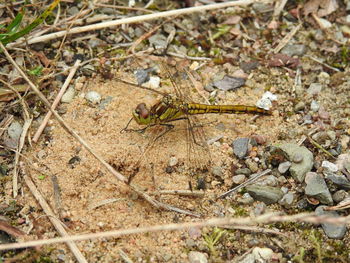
<point x="175" y="107"/>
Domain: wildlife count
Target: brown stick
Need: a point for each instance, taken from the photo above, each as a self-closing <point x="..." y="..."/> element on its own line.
<point x="57" y="100"/>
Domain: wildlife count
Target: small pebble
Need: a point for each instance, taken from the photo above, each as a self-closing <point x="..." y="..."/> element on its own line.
<point x="314" y="89"/>
<point x="153" y="82"/>
<point x="217" y="171"/>
<point x="197" y="257"/>
<point x="68" y="95"/>
<point x="331" y="167"/>
<point x="314" y="106"/>
<point x="339" y="196"/>
<point x="253" y="166"/>
<point x="287" y="200"/>
<point x="259" y="209"/>
<point x="244" y="171"/>
<point x="238" y="179"/>
<point x="15" y="130"/>
<point x="260" y="139"/>
<point x="283" y="167"/>
<point x="331" y="230"/>
<point x="173" y="161"/>
<point x="299" y="106"/>
<point x="240" y="147"/>
<point x="93" y="97"/>
<point x="297" y="158"/>
<point x="246" y="199"/>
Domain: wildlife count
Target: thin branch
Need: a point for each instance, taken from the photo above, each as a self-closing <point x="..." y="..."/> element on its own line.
<point x="251" y="180"/>
<point x="287" y="38"/>
<point x="244" y="221"/>
<point x="57" y="100"/>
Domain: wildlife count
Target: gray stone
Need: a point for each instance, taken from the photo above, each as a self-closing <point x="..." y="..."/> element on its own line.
<point x="197" y="257"/>
<point x="15" y="130"/>
<point x="330" y="167"/>
<point x="95" y="42"/>
<point x="246" y="199"/>
<point x="266" y="194"/>
<point x="142" y="75"/>
<point x="238" y="179"/>
<point x="269" y="180"/>
<point x="339" y="196"/>
<point x="294" y="50"/>
<point x="333" y="231"/>
<point x="244" y="171"/>
<point x="158" y="41"/>
<point x="73" y="10"/>
<point x="298" y="170"/>
<point x="340" y="180"/>
<point x="316" y="187"/>
<point x="240" y="147"/>
<point x="314" y="89"/>
<point x="287" y="200"/>
<point x="105" y="102"/>
<point x="283" y="167"/>
<point x="297" y="158"/>
<point x="259" y="209"/>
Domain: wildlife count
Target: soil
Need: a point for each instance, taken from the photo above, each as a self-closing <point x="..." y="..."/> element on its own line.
<point x="85" y="184"/>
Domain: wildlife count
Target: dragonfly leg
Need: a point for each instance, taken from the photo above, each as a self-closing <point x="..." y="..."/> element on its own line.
<point x="134" y="130"/>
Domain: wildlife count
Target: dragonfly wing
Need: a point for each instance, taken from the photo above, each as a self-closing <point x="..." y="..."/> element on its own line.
<point x="198" y="153"/>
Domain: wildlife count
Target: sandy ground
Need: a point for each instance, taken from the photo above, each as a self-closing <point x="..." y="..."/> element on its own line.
<point x="85" y="183"/>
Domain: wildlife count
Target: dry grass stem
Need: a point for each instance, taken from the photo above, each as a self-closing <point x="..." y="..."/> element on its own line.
<point x="257" y="230"/>
<point x="57" y="100"/>
<point x="244" y="221"/>
<point x="251" y="180"/>
<point x="278" y="9"/>
<point x="56" y="223"/>
<point x="183" y="193"/>
<point x="322" y="63"/>
<point x="26" y="126"/>
<point x="287" y="38"/>
<point x="130" y="20"/>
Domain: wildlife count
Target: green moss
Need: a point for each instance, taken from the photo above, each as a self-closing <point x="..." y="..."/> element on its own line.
<point x="240" y="211"/>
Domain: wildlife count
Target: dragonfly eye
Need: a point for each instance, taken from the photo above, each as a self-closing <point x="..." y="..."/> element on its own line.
<point x="142" y="110"/>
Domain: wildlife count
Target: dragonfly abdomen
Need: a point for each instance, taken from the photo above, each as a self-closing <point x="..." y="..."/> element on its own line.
<point x="195" y="108"/>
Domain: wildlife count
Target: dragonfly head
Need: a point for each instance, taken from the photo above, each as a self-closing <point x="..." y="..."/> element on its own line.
<point x="141" y="114"/>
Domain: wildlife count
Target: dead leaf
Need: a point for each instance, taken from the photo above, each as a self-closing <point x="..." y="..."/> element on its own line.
<point x="282" y="60"/>
<point x="321" y="7"/>
<point x="229" y="83"/>
<point x="233" y="20"/>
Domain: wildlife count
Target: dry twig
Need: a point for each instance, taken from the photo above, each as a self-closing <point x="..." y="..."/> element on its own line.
<point x="57" y="100"/>
<point x="244" y="221"/>
<point x="287" y="38"/>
